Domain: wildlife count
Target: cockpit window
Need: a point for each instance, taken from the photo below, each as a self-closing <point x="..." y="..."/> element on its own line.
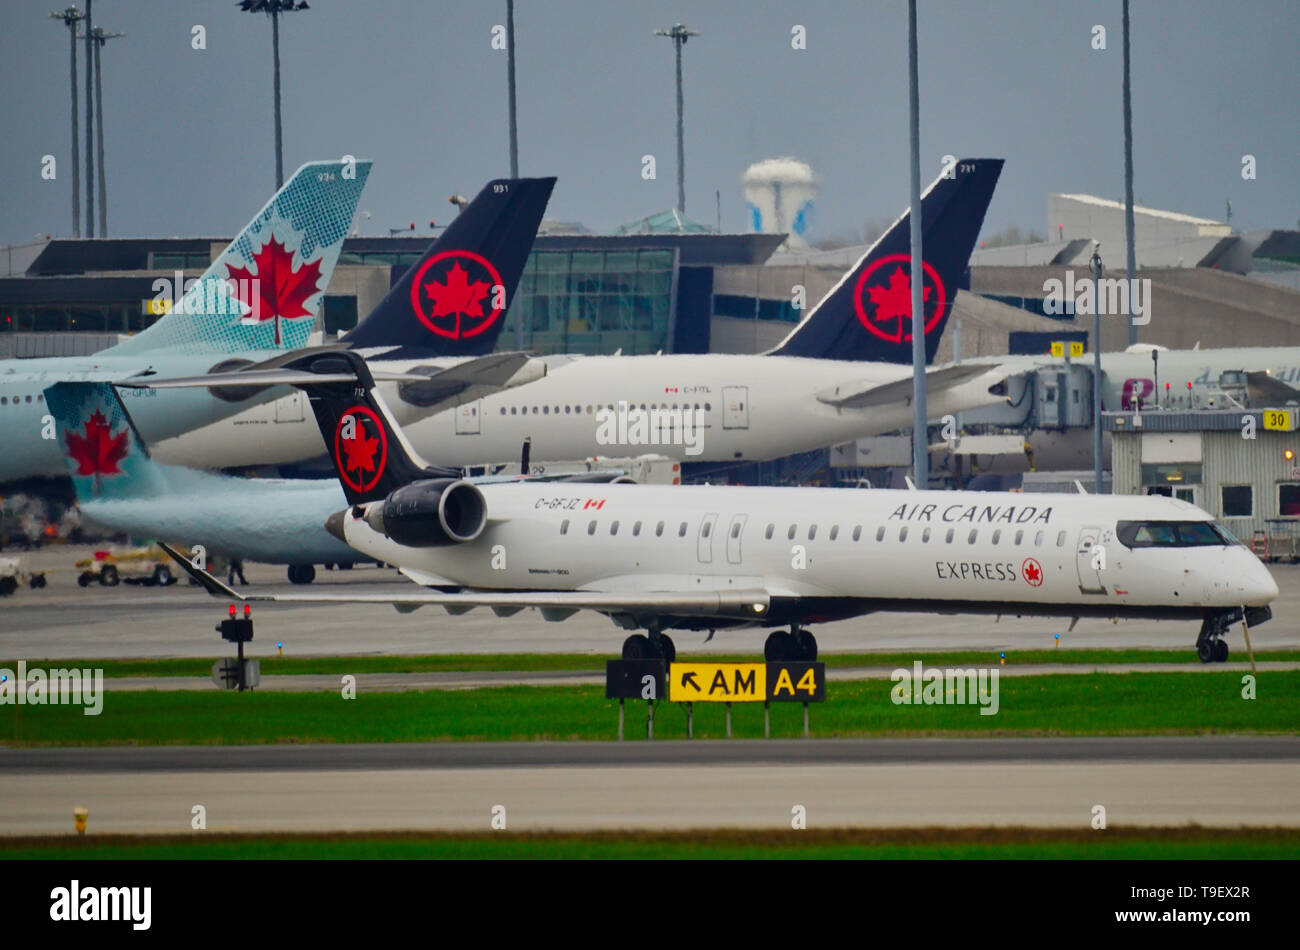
<point x="1172" y="534"/>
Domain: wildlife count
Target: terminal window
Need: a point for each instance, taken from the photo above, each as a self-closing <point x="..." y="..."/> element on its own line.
<point x="1238" y="501"/>
<point x="1288" y="501"/>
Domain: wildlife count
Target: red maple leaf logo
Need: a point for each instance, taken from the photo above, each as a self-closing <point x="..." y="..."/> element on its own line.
<point x="894" y="301"/>
<point x="99" y="451"/>
<point x="458" y="295"/>
<point x="1033" y="573"/>
<point x="277" y="290"/>
<point x="360" y="451"/>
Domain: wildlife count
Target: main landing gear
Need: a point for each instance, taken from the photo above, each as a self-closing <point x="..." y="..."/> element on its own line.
<point x="1210" y="645"/>
<point x="796" y="645"/>
<point x="655" y="646"/>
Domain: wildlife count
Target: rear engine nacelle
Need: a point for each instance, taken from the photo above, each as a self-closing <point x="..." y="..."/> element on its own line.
<point x="431" y="514"/>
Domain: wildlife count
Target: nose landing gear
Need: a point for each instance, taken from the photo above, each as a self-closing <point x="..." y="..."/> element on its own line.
<point x="655" y="646"/>
<point x="1210" y="645"/>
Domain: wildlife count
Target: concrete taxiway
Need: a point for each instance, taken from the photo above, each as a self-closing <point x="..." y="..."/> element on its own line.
<point x="1212" y="781"/>
<point x="64" y="620"/>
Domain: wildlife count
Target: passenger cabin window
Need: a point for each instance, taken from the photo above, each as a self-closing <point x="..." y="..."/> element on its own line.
<point x="681" y="532"/>
<point x="952" y="533"/>
<point x="636" y="529"/>
<point x="925" y="535"/>
<point x="1020" y="536"/>
<point x="974" y="533"/>
<point x="835" y="531"/>
<point x="791" y="533"/>
<point x="613" y="528"/>
<point x="997" y="535"/>
<point x="902" y="533"/>
<point x="880" y="533"/>
<point x="1060" y="539"/>
<point x="1038" y="540"/>
<point x="735" y="530"/>
<point x="1173" y="534"/>
<point x="564" y="526"/>
<point x="591" y="528"/>
<point x="659" y="530"/>
<point x="812" y="531"/>
<point x="857" y="532"/>
<point x="767" y="535"/>
<point x="705" y="531"/>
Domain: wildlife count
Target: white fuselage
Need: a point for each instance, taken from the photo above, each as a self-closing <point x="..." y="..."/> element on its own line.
<point x="838" y="552"/>
<point x="749" y="407"/>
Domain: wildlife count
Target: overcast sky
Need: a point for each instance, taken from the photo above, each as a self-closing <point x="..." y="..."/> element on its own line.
<point x="416" y="86"/>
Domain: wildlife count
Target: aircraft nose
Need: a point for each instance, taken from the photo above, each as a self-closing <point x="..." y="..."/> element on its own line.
<point x="334" y="525"/>
<point x="1260" y="586"/>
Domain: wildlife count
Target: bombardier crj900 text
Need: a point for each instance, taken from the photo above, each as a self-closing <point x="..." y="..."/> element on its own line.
<point x="705" y="557"/>
<point x="260" y="296"/>
<point x="843" y="372"/>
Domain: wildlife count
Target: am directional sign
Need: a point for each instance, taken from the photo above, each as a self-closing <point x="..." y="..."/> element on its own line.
<point x="717" y="682"/>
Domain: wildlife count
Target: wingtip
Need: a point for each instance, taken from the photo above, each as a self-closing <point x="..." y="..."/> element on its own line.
<point x="211" y="584"/>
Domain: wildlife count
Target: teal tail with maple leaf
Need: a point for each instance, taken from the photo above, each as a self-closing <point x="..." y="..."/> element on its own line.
<point x="266" y="289"/>
<point x="868" y="314"/>
<point x="107" y="460"/>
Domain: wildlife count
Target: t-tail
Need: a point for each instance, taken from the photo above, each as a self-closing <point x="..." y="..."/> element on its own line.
<point x="453" y="302"/>
<point x="868" y="314"/>
<point x="266" y="289"/>
<point x="371" y="455"/>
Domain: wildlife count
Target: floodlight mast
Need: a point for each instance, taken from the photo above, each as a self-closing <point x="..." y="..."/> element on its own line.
<point x="679" y="34"/>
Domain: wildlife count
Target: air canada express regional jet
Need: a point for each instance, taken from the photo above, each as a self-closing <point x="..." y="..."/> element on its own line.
<point x="708" y="557"/>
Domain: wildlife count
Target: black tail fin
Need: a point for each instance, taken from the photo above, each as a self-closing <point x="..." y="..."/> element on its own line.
<point x="453" y="301"/>
<point x="371" y="455"/>
<point x="868" y="314"/>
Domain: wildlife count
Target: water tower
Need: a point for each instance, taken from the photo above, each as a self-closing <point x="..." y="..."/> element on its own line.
<point x="779" y="194"/>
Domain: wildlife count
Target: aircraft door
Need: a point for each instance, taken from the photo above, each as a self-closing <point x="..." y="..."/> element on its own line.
<point x="290" y="408"/>
<point x="735" y="407"/>
<point x="704" y="541"/>
<point x="467" y="417"/>
<point x="1090" y="559"/>
<point x="733" y="538"/>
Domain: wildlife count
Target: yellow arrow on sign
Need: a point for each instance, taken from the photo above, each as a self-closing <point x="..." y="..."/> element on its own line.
<point x="717" y="682"/>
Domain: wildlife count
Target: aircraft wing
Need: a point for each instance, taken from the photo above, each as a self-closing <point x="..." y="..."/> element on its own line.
<point x="900" y="390"/>
<point x="1264" y="390"/>
<point x="555" y="605"/>
<point x="260" y="377"/>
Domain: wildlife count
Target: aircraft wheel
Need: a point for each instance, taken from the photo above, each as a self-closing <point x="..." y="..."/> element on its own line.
<point x="664" y="647"/>
<point x="805" y="645"/>
<point x="7" y="586"/>
<point x="1220" y="651"/>
<point x="638" y="647"/>
<point x="779" y="646"/>
<point x="38" y="581"/>
<point x="84" y="579"/>
<point x="301" y="573"/>
<point x="109" y="576"/>
<point x="1205" y="651"/>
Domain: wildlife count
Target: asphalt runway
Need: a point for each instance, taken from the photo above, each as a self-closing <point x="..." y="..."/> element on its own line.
<point x="1213" y="781"/>
<point x="64" y="620"/>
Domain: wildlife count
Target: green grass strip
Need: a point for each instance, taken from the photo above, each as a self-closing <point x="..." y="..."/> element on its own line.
<point x="1084" y="704"/>
<point x="274" y="665"/>
<point x="1190" y="843"/>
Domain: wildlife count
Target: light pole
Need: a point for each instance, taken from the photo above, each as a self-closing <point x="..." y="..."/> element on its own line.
<point x="510" y="82"/>
<point x="71" y="17"/>
<point x="100" y="38"/>
<point x="920" y="417"/>
<point x="679" y="34"/>
<point x="1131" y="261"/>
<point x="1096" y="266"/>
<point x="273" y="9"/>
<point x="90" y="124"/>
